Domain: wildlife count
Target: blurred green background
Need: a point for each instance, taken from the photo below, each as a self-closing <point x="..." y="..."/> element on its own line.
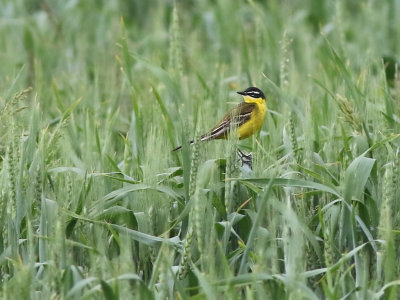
<point x="95" y="94"/>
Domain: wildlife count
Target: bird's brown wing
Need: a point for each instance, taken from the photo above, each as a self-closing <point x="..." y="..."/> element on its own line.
<point x="236" y="117"/>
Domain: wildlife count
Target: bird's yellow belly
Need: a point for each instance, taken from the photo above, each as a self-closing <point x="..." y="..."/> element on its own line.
<point x="255" y="122"/>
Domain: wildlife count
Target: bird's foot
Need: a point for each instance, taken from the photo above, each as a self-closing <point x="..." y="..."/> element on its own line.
<point x="245" y="159"/>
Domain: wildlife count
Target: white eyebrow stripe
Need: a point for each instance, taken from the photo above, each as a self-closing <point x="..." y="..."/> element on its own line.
<point x="254" y="94"/>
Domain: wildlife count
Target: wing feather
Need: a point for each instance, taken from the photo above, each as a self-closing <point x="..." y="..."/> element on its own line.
<point x="236" y="117"/>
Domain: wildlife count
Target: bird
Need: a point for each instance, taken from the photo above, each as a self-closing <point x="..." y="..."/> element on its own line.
<point x="243" y="120"/>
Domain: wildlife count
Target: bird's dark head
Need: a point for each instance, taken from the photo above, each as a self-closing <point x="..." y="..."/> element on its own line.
<point x="252" y="92"/>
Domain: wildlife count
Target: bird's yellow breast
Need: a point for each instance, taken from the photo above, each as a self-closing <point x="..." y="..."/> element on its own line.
<point x="256" y="119"/>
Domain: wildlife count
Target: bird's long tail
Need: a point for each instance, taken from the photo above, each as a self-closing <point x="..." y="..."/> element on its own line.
<point x="180" y="147"/>
<point x="204" y="137"/>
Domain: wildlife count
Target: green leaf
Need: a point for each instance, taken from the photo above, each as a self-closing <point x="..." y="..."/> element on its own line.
<point x="70" y="109"/>
<point x="122" y="192"/>
<point x="82" y="196"/>
<point x="160" y="73"/>
<point x="79" y="286"/>
<point x="381" y="292"/>
<point x="252" y="235"/>
<point x="108" y="291"/>
<point x="11" y="87"/>
<point x="292" y="183"/>
<point x="381" y="143"/>
<point x="206" y="286"/>
<point x="146" y="239"/>
<point x="166" y="116"/>
<point x="356" y="177"/>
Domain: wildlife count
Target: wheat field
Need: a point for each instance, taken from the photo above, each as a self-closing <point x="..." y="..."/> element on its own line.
<point x="94" y="95"/>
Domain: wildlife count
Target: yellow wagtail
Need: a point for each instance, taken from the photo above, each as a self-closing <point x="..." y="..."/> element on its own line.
<point x="245" y="119"/>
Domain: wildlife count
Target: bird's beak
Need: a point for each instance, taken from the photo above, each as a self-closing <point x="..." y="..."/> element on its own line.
<point x="241" y="93"/>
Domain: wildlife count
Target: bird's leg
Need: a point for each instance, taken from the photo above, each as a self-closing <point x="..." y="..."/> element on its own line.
<point x="246" y="159"/>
